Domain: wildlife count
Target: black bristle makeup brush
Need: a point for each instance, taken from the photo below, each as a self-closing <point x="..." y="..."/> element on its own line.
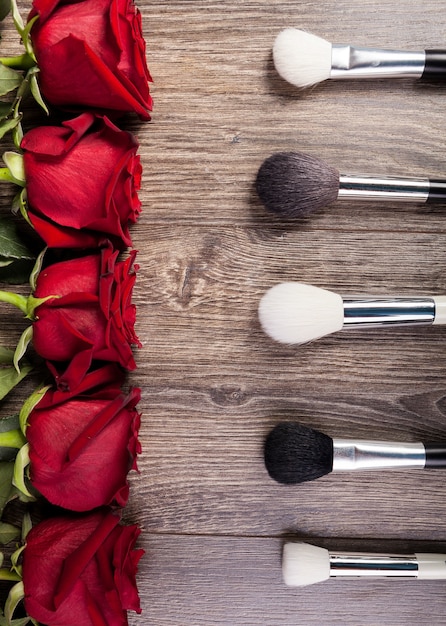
<point x="304" y="59"/>
<point x="293" y="184"/>
<point x="297" y="454"/>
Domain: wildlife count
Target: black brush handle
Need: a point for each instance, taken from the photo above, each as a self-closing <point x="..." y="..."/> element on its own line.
<point x="437" y="192"/>
<point x="435" y="66"/>
<point x="435" y="456"/>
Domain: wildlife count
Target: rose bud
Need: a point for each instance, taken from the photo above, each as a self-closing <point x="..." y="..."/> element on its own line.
<point x="82" y="180"/>
<point x="88" y="315"/>
<point x="92" y="54"/>
<point x="81" y="448"/>
<point x="81" y="571"/>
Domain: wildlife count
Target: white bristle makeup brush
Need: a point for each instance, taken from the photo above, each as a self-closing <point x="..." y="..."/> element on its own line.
<point x="304" y="59"/>
<point x="295" y="454"/>
<point x="294" y="184"/>
<point x="305" y="564"/>
<point x="295" y="313"/>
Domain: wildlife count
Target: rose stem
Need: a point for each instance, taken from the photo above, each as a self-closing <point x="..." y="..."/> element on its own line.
<point x="12" y="439"/>
<point x="14" y="298"/>
<point x="20" y="62"/>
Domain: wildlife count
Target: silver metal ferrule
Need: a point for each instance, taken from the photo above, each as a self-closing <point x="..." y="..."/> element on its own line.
<point x="356" y="564"/>
<point x="359" y="454"/>
<point x="392" y="188"/>
<point x="376" y="312"/>
<point x="350" y="62"/>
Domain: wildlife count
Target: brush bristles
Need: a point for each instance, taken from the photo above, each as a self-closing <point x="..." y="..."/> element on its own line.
<point x="295" y="313"/>
<point x="296" y="454"/>
<point x="294" y="184"/>
<point x="304" y="564"/>
<point x="301" y="58"/>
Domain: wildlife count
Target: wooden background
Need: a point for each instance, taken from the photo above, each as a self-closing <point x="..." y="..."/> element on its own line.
<point x="213" y="384"/>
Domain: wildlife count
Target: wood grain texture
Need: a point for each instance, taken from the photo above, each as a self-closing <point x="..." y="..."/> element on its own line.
<point x="193" y="581"/>
<point x="212" y="383"/>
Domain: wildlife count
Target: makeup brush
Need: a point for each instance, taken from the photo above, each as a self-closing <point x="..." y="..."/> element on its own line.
<point x="295" y="454"/>
<point x="304" y="59"/>
<point x="294" y="184"/>
<point x="305" y="564"/>
<point x="295" y="313"/>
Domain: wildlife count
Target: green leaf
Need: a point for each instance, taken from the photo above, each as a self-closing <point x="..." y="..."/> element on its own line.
<point x="17" y="131"/>
<point x="5" y="108"/>
<point x="22" y="92"/>
<point x="7" y="490"/>
<point x="26" y="33"/>
<point x="5" y="7"/>
<point x="13" y="271"/>
<point x="22" y="29"/>
<point x="8" y="533"/>
<point x="20" y="205"/>
<point x="15" y="557"/>
<point x="10" y="377"/>
<point x="6" y="356"/>
<point x="20" y="471"/>
<point x="9" y="423"/>
<point x="15" y="596"/>
<point x="9" y="124"/>
<point x="17" y="273"/>
<point x="24" y="341"/>
<point x="9" y="79"/>
<point x="36" y="270"/>
<point x="35" y="89"/>
<point x="11" y="437"/>
<point x="30" y="403"/>
<point x="26" y="525"/>
<point x="21" y="621"/>
<point x="18" y="22"/>
<point x="14" y="162"/>
<point x="11" y="244"/>
<point x="7" y="455"/>
<point x="10" y="575"/>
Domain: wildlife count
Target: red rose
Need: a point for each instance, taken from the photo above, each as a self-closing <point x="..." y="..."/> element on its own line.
<point x="82" y="180"/>
<point x="81" y="448"/>
<point x="92" y="316"/>
<point x="81" y="570"/>
<point x="91" y="53"/>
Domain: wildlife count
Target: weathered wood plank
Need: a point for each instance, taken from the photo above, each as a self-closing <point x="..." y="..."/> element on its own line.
<point x="221" y="109"/>
<point x="202" y="469"/>
<point x="199" y="288"/>
<point x="197" y="581"/>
